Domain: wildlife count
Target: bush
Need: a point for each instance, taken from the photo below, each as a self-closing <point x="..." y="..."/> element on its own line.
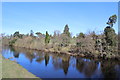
<point x="110" y="36"/>
<point x="47" y="38"/>
<point x="12" y="42"/>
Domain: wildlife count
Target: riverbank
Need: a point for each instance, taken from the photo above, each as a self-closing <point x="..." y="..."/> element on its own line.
<point x="11" y="69"/>
<point x="62" y="64"/>
<point x="96" y="56"/>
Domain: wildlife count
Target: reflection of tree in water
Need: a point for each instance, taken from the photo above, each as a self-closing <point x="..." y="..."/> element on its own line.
<point x="42" y="56"/>
<point x="46" y="59"/>
<point x="61" y="62"/>
<point x="30" y="57"/>
<point x="79" y="64"/>
<point x="15" y="52"/>
<point x="65" y="66"/>
<point x="86" y="67"/>
<point x="108" y="69"/>
<point x="12" y="49"/>
<point x="90" y="68"/>
<point x="57" y="63"/>
<point x="28" y="53"/>
<point x="39" y="57"/>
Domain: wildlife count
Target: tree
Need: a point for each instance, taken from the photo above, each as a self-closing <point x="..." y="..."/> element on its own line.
<point x="56" y="40"/>
<point x="66" y="30"/>
<point x="56" y="33"/>
<point x="47" y="38"/>
<point x="79" y="39"/>
<point x="40" y="35"/>
<point x="31" y="33"/>
<point x="65" y="40"/>
<point x="94" y="36"/>
<point x="110" y="36"/>
<point x="12" y="42"/>
<point x="112" y="20"/>
<point x="109" y="32"/>
<point x="86" y="44"/>
<point x="17" y="34"/>
<point x="81" y="35"/>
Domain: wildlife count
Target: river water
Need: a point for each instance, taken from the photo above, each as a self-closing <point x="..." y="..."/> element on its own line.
<point x="53" y="65"/>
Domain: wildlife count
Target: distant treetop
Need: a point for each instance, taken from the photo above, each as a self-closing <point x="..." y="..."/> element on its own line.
<point x="112" y="20"/>
<point x="66" y="30"/>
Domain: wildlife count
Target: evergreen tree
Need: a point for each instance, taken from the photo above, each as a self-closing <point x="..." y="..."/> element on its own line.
<point x="112" y="20"/>
<point x="40" y="35"/>
<point x="110" y="36"/>
<point x="31" y="33"/>
<point x="66" y="30"/>
<point x="47" y="38"/>
<point x="81" y="35"/>
<point x="16" y="34"/>
<point x="109" y="32"/>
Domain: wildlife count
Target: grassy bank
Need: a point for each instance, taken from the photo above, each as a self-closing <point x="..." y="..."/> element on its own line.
<point x="11" y="69"/>
<point x="0" y="66"/>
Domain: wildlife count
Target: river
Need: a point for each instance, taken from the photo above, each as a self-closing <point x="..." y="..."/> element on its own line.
<point x="53" y="65"/>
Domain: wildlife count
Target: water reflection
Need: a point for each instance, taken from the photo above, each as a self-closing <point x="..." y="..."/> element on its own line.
<point x="28" y="53"/>
<point x="56" y="62"/>
<point x="61" y="62"/>
<point x="109" y="69"/>
<point x="40" y="57"/>
<point x="86" y="67"/>
<point x="46" y="57"/>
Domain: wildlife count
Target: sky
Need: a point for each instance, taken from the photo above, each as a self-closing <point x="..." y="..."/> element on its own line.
<point x="51" y="16"/>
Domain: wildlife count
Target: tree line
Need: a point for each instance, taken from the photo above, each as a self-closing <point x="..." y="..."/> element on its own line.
<point x="102" y="45"/>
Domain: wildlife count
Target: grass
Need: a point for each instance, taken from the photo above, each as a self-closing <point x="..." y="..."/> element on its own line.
<point x="11" y="69"/>
<point x="0" y="66"/>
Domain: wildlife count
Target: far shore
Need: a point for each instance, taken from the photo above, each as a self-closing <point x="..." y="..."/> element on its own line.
<point x="83" y="55"/>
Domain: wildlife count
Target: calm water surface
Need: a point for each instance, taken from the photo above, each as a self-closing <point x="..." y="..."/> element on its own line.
<point x="51" y="65"/>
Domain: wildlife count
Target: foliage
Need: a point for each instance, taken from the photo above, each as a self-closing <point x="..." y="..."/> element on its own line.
<point x="110" y="36"/>
<point x="112" y="20"/>
<point x="12" y="42"/>
<point x="94" y="36"/>
<point x="63" y="42"/>
<point x="47" y="38"/>
<point x="17" y="34"/>
<point x="86" y="44"/>
<point x="81" y="35"/>
<point x="40" y="35"/>
<point x="31" y="33"/>
<point x="66" y="30"/>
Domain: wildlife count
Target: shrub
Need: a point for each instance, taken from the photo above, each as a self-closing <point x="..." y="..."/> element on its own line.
<point x="47" y="38"/>
<point x="110" y="36"/>
<point x="12" y="42"/>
